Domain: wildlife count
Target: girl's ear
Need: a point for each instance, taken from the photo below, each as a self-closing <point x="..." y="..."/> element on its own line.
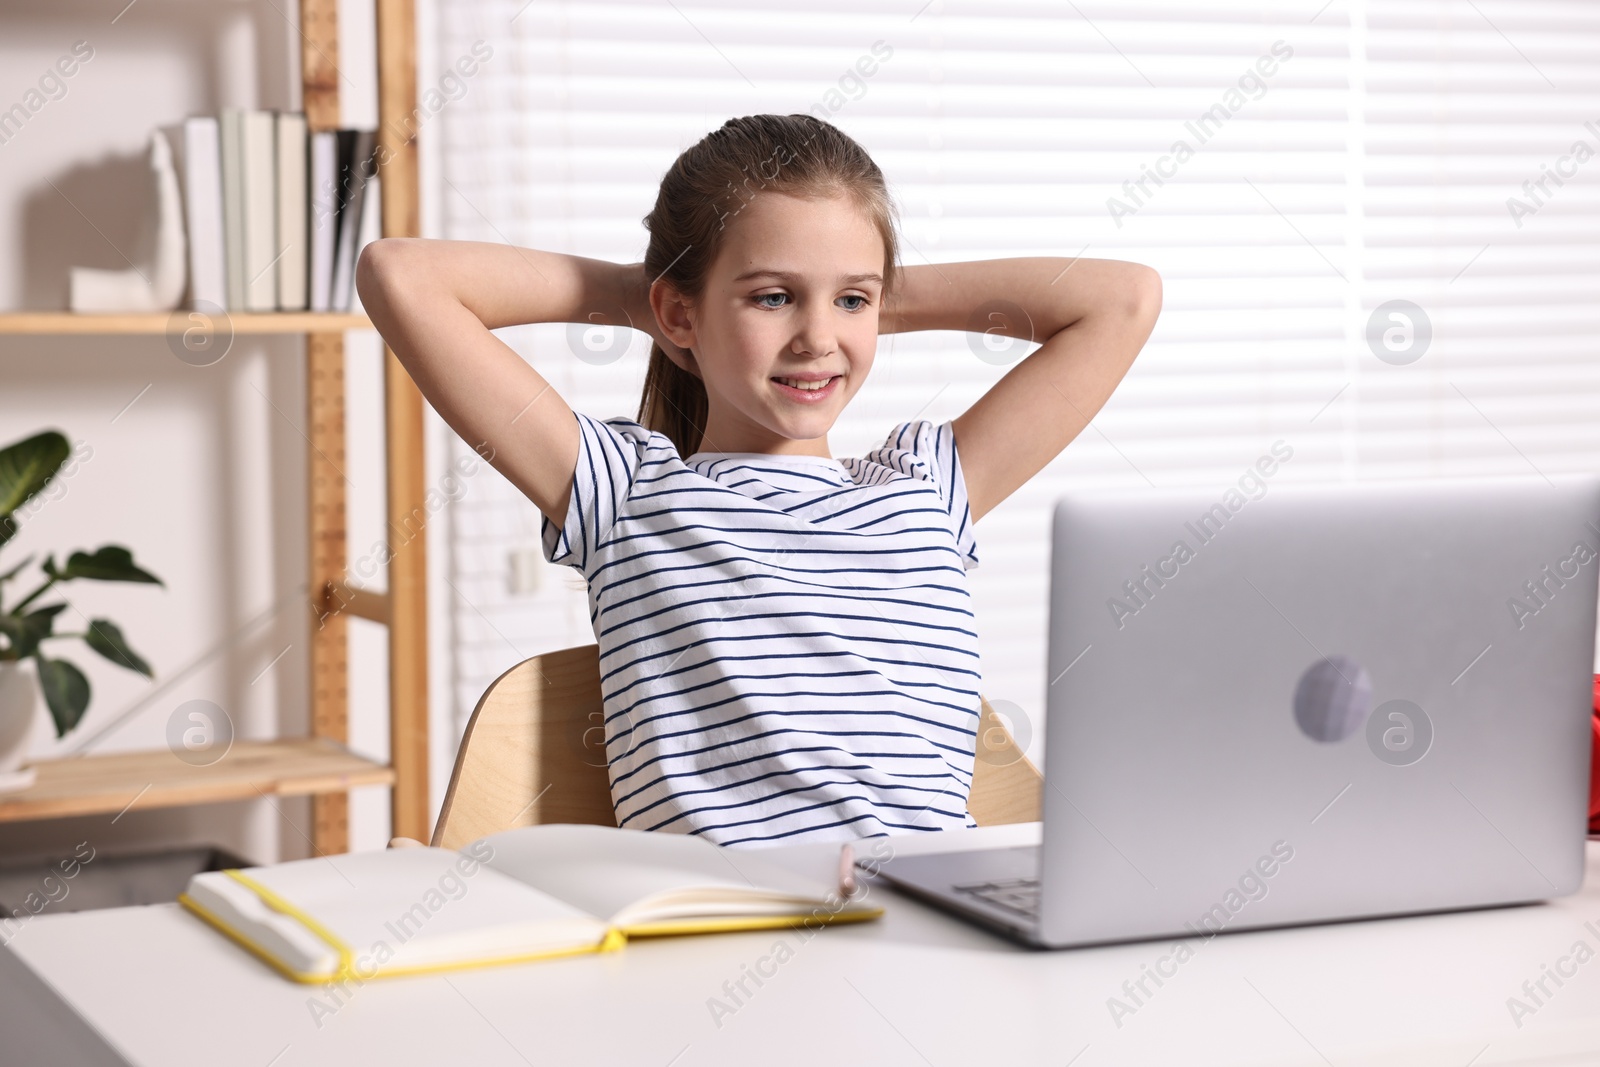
<point x="674" y="330"/>
<point x="672" y="314"/>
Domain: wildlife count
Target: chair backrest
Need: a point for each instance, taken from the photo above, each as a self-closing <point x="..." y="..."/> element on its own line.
<point x="534" y="752"/>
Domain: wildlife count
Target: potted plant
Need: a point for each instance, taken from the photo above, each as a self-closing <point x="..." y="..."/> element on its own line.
<point x="27" y="670"/>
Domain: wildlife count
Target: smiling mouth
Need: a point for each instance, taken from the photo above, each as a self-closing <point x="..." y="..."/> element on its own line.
<point x="808" y="385"/>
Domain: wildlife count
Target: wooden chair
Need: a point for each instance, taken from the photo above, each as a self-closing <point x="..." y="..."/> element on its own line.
<point x="534" y="752"/>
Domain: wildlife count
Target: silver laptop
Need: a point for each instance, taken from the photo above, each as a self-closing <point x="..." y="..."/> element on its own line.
<point x="1296" y="704"/>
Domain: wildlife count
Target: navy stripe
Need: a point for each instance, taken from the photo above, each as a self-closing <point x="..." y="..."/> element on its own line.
<point x="786" y="713"/>
<point x="728" y="580"/>
<point x="640" y="765"/>
<point x="741" y="597"/>
<point x="680" y="794"/>
<point x="732" y="562"/>
<point x="617" y="693"/>
<point x="696" y="623"/>
<point x="943" y="668"/>
<point x="727" y="677"/>
<point x="812" y="829"/>
<point x="782" y="472"/>
<point x="699" y="813"/>
<point x="703" y="768"/>
<point x="780" y="529"/>
<point x="750" y="552"/>
<point x="711" y="768"/>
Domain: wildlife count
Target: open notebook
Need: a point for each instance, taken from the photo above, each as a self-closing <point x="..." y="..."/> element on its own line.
<point x="525" y="894"/>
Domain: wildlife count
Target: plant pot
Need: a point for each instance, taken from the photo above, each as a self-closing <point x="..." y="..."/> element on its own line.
<point x="20" y="700"/>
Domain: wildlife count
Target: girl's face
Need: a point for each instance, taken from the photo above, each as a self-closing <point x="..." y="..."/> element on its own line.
<point x="792" y="299"/>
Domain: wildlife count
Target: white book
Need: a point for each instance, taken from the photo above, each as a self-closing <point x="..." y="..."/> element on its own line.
<point x="231" y="127"/>
<point x="292" y="202"/>
<point x="525" y="894"/>
<point x="324" y="222"/>
<point x="261" y="248"/>
<point x="202" y="209"/>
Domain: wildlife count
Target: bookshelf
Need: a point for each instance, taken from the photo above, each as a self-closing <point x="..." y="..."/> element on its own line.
<point x="319" y="765"/>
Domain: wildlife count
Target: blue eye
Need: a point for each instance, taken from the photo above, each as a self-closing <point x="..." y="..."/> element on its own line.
<point x="856" y="296"/>
<point x="774" y="307"/>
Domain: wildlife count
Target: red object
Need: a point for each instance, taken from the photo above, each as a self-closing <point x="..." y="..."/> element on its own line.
<point x="1594" y="769"/>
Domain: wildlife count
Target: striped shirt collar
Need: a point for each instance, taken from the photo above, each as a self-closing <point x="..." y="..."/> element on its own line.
<point x="763" y="457"/>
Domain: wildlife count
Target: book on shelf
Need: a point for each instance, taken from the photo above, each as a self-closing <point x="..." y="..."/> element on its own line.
<point x="202" y="193"/>
<point x="231" y="123"/>
<point x="277" y="214"/>
<point x="356" y="168"/>
<point x="258" y="167"/>
<point x="533" y="893"/>
<point x="370" y="230"/>
<point x="292" y="203"/>
<point x="324" y="221"/>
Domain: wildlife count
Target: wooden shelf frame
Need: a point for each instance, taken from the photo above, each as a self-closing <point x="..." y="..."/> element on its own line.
<point x="404" y="608"/>
<point x="319" y="766"/>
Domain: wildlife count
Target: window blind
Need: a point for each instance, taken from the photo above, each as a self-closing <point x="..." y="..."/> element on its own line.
<point x="1328" y="190"/>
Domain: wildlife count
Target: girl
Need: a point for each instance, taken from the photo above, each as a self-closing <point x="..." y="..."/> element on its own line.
<point x="786" y="640"/>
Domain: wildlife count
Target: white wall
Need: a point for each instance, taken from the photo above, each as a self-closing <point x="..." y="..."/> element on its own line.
<point x="203" y="474"/>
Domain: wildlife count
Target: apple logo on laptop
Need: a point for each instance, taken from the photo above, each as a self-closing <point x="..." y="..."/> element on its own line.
<point x="1333" y="698"/>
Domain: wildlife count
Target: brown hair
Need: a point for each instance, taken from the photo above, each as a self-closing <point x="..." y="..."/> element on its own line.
<point x="706" y="186"/>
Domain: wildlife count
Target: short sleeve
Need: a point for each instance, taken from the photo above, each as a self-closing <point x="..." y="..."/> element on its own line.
<point x="610" y="454"/>
<point x="927" y="450"/>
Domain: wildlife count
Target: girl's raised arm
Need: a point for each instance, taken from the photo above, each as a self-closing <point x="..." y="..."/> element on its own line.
<point x="435" y="303"/>
<point x="1092" y="315"/>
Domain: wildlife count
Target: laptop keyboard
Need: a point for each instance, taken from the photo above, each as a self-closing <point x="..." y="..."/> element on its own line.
<point x="1020" y="895"/>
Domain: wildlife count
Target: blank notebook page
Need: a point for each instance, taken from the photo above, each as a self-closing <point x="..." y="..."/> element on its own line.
<point x="420" y="903"/>
<point x="605" y="870"/>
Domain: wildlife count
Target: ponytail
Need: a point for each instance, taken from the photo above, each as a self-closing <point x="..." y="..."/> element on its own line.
<point x="673" y="403"/>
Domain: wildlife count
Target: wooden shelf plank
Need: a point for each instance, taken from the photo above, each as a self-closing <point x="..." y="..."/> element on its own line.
<point x="67" y="322"/>
<point x="342" y="598"/>
<point x="92" y="785"/>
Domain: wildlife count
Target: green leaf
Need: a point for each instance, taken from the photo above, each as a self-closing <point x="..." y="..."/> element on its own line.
<point x="37" y="626"/>
<point x="25" y="632"/>
<point x="110" y="563"/>
<point x="105" y="638"/>
<point x="66" y="690"/>
<point x="11" y="628"/>
<point x="42" y="616"/>
<point x="25" y="468"/>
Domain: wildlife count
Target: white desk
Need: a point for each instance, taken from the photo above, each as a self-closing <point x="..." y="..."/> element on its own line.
<point x="913" y="988"/>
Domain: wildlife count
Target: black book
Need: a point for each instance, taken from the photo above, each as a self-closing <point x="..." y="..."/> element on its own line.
<point x="356" y="168"/>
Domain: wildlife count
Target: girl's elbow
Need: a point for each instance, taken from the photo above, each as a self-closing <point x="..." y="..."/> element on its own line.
<point x="385" y="266"/>
<point x="1144" y="294"/>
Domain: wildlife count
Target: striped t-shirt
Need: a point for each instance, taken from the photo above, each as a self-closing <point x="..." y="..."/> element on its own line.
<point x="787" y="643"/>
